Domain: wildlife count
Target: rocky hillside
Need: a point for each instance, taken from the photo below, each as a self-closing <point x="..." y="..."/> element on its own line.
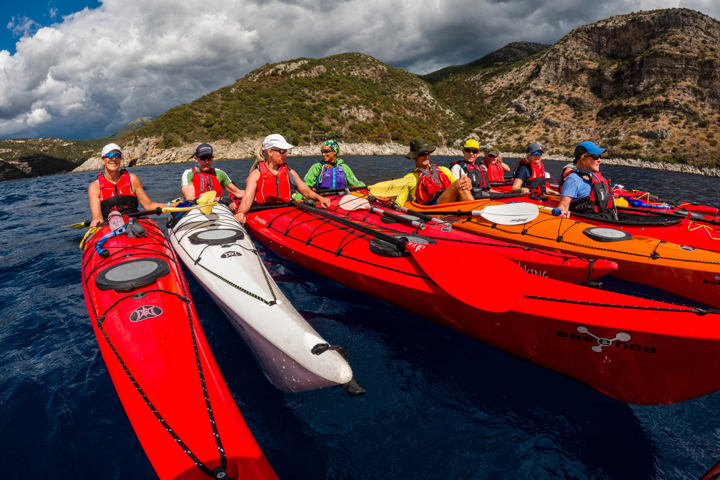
<point x="646" y="85"/>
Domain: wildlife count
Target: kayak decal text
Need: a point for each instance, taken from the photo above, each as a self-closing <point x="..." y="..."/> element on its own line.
<point x="532" y="271"/>
<point x="231" y="253"/>
<point x="621" y="340"/>
<point x="715" y="281"/>
<point x="145" y="312"/>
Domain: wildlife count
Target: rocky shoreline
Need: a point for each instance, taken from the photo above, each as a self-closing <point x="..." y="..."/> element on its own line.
<point x="146" y="153"/>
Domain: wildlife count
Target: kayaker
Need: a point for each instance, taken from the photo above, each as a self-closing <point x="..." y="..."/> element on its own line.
<point x="271" y="180"/>
<point x="496" y="168"/>
<point x="429" y="184"/>
<point x="475" y="171"/>
<point x="203" y="177"/>
<point x="116" y="188"/>
<point x="529" y="173"/>
<point x="584" y="189"/>
<point x="331" y="173"/>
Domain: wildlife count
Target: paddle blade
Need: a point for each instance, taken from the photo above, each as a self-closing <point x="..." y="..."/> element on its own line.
<point x="353" y="202"/>
<point x="208" y="200"/>
<point x="79" y="225"/>
<point x="483" y="280"/>
<point x="388" y="188"/>
<point x="509" y="213"/>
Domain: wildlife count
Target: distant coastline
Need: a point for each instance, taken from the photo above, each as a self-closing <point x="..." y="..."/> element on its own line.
<point x="145" y="154"/>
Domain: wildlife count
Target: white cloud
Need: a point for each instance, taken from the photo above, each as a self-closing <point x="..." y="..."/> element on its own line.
<point x="96" y="70"/>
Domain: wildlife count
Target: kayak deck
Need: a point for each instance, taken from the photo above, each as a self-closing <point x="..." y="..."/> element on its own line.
<point x="160" y="362"/>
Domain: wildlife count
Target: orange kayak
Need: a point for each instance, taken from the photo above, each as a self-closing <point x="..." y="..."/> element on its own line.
<point x="685" y="271"/>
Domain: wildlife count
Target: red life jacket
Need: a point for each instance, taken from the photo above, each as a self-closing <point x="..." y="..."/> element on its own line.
<point x="477" y="173"/>
<point x="600" y="198"/>
<point x="566" y="170"/>
<point x="495" y="172"/>
<point x="206" y="181"/>
<point x="537" y="179"/>
<point x="273" y="188"/>
<point x="118" y="195"/>
<point x="431" y="183"/>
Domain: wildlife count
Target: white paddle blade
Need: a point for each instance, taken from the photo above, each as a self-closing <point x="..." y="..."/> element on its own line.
<point x="509" y="213"/>
<point x="352" y="202"/>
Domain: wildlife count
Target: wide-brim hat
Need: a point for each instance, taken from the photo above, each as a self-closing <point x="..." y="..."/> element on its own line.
<point x="418" y="146"/>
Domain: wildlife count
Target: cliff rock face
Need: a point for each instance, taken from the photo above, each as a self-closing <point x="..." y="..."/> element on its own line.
<point x="646" y="85"/>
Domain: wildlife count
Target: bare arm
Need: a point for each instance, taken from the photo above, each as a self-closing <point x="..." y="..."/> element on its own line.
<point x="142" y="197"/>
<point x="248" y="195"/>
<point x="517" y="186"/>
<point x="188" y="192"/>
<point x="307" y="192"/>
<point x="564" y="206"/>
<point x="232" y="188"/>
<point x="94" y="198"/>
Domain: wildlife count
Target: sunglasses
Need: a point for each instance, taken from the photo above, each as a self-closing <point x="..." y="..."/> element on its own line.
<point x="327" y="151"/>
<point x="470" y="150"/>
<point x="281" y="151"/>
<point x="537" y="154"/>
<point x="205" y="158"/>
<point x="113" y="155"/>
<point x="423" y="154"/>
<point x="492" y="156"/>
<point x="594" y="157"/>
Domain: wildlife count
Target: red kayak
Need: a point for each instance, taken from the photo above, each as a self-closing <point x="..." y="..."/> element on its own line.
<point x="159" y="360"/>
<point x="557" y="265"/>
<point x="632" y="349"/>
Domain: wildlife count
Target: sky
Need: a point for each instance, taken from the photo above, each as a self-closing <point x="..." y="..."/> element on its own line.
<point x="85" y="68"/>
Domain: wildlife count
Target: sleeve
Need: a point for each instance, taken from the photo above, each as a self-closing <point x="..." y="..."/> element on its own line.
<point x="312" y="175"/>
<point x="222" y="177"/>
<point x="351" y="178"/>
<point x="523" y="173"/>
<point x="409" y="190"/>
<point x="571" y="186"/>
<point x="457" y="171"/>
<point x="186" y="178"/>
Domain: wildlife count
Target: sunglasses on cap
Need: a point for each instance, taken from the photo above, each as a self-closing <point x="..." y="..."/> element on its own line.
<point x="113" y="155"/>
<point x="537" y="154"/>
<point x="326" y="151"/>
<point x="206" y="158"/>
<point x="281" y="151"/>
<point x="471" y="150"/>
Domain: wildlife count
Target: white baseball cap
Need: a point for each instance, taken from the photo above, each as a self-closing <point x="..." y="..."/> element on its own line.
<point x="275" y="140"/>
<point x="109" y="148"/>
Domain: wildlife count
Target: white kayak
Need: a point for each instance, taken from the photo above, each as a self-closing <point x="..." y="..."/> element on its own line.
<point x="222" y="257"/>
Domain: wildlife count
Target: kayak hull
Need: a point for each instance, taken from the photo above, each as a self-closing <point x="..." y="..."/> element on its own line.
<point x="632" y="349"/>
<point x="160" y="362"/>
<point x="221" y="256"/>
<point x="684" y="271"/>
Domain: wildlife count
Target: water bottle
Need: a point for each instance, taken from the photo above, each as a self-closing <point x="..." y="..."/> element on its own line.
<point x="115" y="220"/>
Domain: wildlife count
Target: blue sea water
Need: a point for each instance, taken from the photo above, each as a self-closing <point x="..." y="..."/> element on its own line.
<point x="438" y="405"/>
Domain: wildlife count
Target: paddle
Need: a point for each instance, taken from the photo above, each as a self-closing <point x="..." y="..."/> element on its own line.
<point x="506" y="214"/>
<point x="420" y="215"/>
<point x="205" y="203"/>
<point x="392" y="188"/>
<point x="437" y="260"/>
<point x="352" y="202"/>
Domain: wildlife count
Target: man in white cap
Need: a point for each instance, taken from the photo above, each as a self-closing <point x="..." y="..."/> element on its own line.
<point x="203" y="177"/>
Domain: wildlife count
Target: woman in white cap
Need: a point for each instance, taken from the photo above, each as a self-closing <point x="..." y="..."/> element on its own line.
<point x="271" y="180"/>
<point x="116" y="189"/>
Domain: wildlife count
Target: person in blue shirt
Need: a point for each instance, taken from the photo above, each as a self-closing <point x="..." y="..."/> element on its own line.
<point x="584" y="189"/>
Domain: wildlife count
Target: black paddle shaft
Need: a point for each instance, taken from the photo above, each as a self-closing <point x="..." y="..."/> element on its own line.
<point x="399" y="242"/>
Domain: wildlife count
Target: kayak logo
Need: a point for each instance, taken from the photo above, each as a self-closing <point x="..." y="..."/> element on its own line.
<point x="532" y="271"/>
<point x="231" y="253"/>
<point x="715" y="281"/>
<point x="145" y="312"/>
<point x="415" y="247"/>
<point x="604" y="342"/>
